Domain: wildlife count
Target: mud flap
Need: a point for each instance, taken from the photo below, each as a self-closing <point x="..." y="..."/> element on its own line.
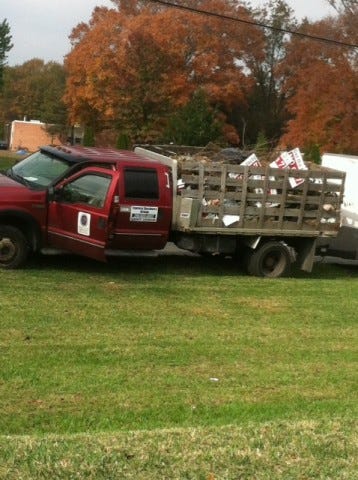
<point x="306" y="254"/>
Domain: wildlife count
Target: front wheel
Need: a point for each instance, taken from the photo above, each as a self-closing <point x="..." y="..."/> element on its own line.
<point x="13" y="247"/>
<point x="271" y="260"/>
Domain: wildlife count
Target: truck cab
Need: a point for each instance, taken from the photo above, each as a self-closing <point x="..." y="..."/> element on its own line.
<point x="92" y="202"/>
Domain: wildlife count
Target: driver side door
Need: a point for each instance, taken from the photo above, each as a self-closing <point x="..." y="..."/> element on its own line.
<point x="79" y="215"/>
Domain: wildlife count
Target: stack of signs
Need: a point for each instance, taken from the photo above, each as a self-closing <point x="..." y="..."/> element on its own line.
<point x="253" y="161"/>
<point x="293" y="160"/>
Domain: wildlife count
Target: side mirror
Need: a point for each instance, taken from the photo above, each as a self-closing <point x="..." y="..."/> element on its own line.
<point x="54" y="194"/>
<point x="50" y="194"/>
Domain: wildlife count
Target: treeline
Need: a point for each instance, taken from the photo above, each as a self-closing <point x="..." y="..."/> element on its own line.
<point x="143" y="72"/>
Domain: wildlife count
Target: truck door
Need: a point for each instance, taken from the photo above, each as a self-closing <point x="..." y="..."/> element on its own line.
<point x="145" y="208"/>
<point x="79" y="212"/>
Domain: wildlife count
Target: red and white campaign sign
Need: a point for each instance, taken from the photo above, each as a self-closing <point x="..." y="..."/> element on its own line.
<point x="293" y="160"/>
<point x="252" y="161"/>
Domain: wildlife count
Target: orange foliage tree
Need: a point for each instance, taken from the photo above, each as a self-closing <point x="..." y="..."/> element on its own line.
<point x="132" y="66"/>
<point x="322" y="82"/>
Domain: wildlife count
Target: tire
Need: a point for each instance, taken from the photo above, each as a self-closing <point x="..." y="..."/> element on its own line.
<point x="270" y="260"/>
<point x="13" y="247"/>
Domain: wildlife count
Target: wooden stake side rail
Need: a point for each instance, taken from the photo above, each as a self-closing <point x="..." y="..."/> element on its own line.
<point x="235" y="199"/>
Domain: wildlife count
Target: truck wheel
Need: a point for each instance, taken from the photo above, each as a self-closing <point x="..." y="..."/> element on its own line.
<point x="271" y="260"/>
<point x="13" y="247"/>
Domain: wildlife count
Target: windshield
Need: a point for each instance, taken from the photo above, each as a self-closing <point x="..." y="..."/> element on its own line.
<point x="39" y="169"/>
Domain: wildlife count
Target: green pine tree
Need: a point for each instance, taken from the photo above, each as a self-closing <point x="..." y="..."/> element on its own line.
<point x="5" y="47"/>
<point x="194" y="124"/>
<point x="313" y="154"/>
<point x="88" y="137"/>
<point x="123" y="141"/>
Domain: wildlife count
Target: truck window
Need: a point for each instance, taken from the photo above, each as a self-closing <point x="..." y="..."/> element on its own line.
<point x="141" y="183"/>
<point x="39" y="169"/>
<point x="90" y="189"/>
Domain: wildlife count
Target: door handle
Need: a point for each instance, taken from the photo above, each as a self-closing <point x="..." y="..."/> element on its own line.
<point x="167" y="177"/>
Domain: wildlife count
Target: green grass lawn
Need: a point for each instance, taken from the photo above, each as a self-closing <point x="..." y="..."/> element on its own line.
<point x="7" y="159"/>
<point x="176" y="368"/>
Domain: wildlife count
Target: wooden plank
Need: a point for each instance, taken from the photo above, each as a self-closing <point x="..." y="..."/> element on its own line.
<point x="264" y="198"/>
<point x="282" y="200"/>
<point x="222" y="192"/>
<point x="200" y="192"/>
<point x="243" y="197"/>
<point x="303" y="199"/>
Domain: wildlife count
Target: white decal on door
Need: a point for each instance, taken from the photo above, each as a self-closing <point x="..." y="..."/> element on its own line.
<point x="84" y="223"/>
<point x="144" y="214"/>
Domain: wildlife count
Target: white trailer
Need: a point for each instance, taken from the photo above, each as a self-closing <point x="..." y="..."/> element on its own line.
<point x="345" y="245"/>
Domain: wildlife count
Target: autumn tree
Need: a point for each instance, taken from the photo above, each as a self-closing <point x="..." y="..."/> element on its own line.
<point x="322" y="82"/>
<point x="34" y="90"/>
<point x="266" y="112"/>
<point x="132" y="70"/>
<point x="344" y="6"/>
<point x="130" y="7"/>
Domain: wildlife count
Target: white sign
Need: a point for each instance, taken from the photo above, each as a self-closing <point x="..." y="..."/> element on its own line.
<point x="292" y="160"/>
<point x="84" y="223"/>
<point x="144" y="214"/>
<point x="230" y="219"/>
<point x="252" y="161"/>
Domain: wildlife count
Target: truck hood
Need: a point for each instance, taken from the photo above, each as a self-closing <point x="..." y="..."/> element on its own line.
<point x="9" y="182"/>
<point x="12" y="191"/>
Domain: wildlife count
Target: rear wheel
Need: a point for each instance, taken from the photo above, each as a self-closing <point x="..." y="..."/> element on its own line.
<point x="13" y="247"/>
<point x="271" y="260"/>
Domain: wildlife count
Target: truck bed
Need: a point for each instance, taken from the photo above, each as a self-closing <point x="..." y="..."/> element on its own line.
<point x="245" y="200"/>
<point x="233" y="199"/>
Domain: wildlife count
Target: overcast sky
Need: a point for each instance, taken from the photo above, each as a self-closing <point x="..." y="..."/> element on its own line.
<point x="40" y="28"/>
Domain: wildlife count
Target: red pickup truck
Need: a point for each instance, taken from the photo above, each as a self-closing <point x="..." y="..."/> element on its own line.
<point x="104" y="202"/>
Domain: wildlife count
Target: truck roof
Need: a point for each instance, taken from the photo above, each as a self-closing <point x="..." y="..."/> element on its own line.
<point x="94" y="154"/>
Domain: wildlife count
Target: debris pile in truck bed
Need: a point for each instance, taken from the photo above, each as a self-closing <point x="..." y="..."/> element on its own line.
<point x="246" y="193"/>
<point x="292" y="160"/>
<point x="283" y="194"/>
<point x="210" y="154"/>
